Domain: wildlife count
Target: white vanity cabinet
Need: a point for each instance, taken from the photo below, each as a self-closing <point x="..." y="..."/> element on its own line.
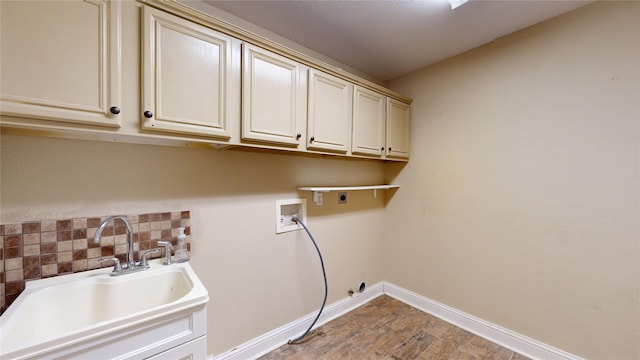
<point x="191" y="77"/>
<point x="273" y="99"/>
<point x="193" y="350"/>
<point x="398" y="122"/>
<point x="369" y="114"/>
<point x="61" y="61"/>
<point x="329" y="113"/>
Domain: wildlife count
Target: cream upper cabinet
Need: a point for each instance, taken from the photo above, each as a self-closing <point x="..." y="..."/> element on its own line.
<point x="398" y="121"/>
<point x="191" y="77"/>
<point x="60" y="60"/>
<point x="329" y="112"/>
<point x="273" y="98"/>
<point x="368" y="122"/>
<point x="71" y="69"/>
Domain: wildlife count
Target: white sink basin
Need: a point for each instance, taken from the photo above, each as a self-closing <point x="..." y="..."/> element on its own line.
<point x="60" y="311"/>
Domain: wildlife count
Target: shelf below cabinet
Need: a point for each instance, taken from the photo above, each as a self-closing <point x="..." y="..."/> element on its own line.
<point x="318" y="190"/>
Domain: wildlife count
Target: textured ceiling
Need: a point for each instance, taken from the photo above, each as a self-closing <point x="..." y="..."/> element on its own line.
<point x="387" y="39"/>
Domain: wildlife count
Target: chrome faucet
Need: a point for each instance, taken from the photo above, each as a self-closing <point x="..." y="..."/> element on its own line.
<point x="131" y="264"/>
<point x="167" y="248"/>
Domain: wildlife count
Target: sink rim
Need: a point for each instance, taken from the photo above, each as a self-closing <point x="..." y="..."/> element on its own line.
<point x="196" y="297"/>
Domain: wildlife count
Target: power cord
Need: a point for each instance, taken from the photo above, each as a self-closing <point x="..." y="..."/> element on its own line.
<point x="324" y="274"/>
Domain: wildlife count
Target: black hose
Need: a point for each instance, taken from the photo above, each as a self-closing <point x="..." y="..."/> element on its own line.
<point x="324" y="274"/>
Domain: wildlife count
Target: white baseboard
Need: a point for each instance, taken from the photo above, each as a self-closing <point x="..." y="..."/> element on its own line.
<point x="280" y="336"/>
<point x="509" y="339"/>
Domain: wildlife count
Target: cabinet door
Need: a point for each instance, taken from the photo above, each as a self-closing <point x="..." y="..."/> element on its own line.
<point x="273" y="98"/>
<point x="193" y="350"/>
<point x="191" y="77"/>
<point x="398" y="119"/>
<point x="368" y="122"/>
<point x="329" y="112"/>
<point x="61" y="61"/>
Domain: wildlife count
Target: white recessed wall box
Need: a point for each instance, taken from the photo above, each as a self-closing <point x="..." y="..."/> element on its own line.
<point x="286" y="210"/>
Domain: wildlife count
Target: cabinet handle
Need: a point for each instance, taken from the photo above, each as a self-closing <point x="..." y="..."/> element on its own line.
<point x="298" y="136"/>
<point x="312" y="138"/>
<point x="389" y="148"/>
<point x="115" y="110"/>
<point x="148" y="114"/>
<point x="382" y="148"/>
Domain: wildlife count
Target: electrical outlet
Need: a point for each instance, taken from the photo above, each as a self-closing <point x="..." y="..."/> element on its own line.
<point x="342" y="198"/>
<point x="286" y="210"/>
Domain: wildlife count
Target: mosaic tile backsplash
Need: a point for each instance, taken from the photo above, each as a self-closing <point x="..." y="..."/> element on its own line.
<point x="40" y="249"/>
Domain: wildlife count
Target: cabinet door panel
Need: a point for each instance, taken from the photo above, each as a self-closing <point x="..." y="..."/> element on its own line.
<point x="330" y="112"/>
<point x="368" y="122"/>
<point x="189" y="78"/>
<point x="273" y="97"/>
<point x="398" y="119"/>
<point x="193" y="350"/>
<point x="61" y="60"/>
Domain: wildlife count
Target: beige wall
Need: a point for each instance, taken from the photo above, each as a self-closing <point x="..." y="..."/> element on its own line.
<point x="257" y="280"/>
<point x="520" y="204"/>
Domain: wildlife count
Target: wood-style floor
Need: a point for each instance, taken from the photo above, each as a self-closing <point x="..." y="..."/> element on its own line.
<point x="386" y="328"/>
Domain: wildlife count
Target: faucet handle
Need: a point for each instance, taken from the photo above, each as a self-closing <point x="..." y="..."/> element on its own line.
<point x="143" y="257"/>
<point x="168" y="248"/>
<point x="116" y="263"/>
